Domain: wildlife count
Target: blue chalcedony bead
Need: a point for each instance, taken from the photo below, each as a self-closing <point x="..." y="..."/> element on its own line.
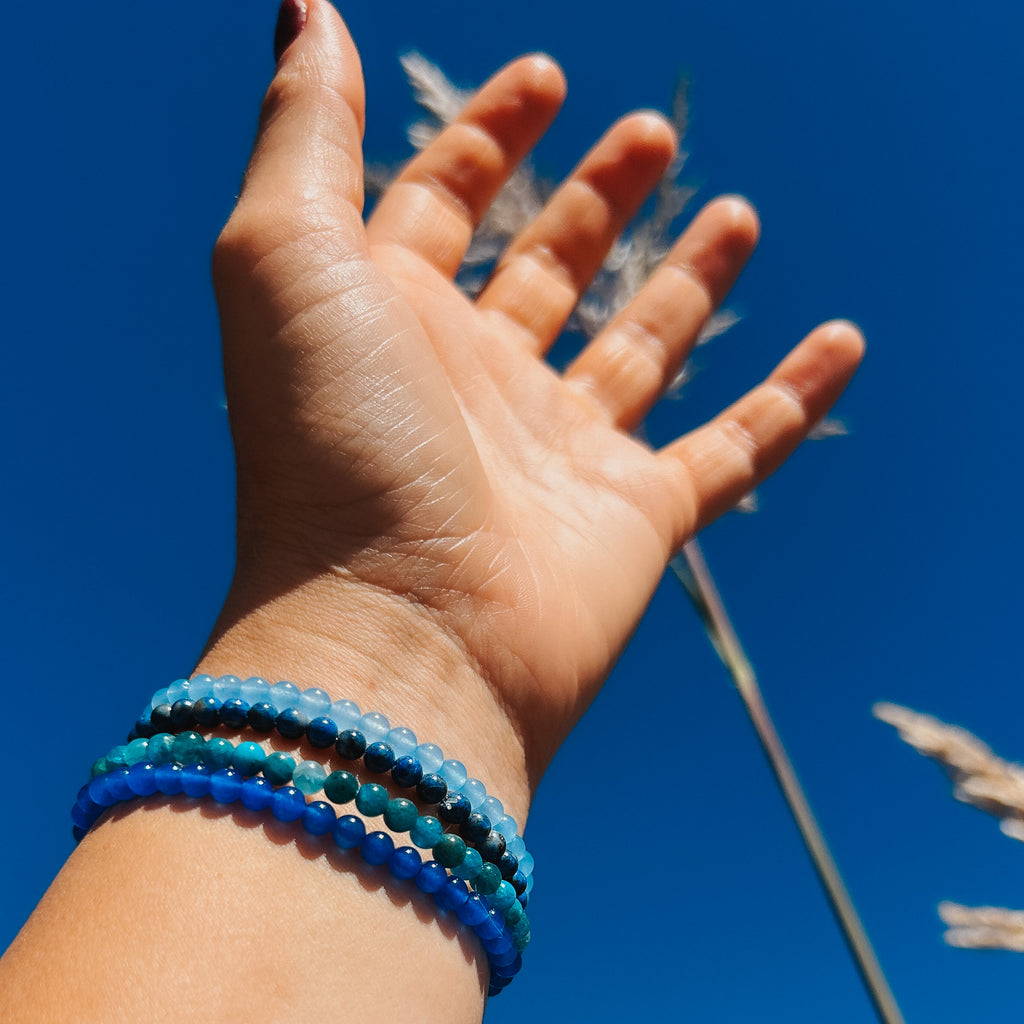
<point x="432" y="789"/>
<point x="178" y="689"/>
<point x="407" y="771"/>
<point x="405" y="863"/>
<point x="401" y="740"/>
<point x="318" y="818"/>
<point x="526" y="863"/>
<point x="431" y="877"/>
<point x="345" y="714"/>
<point x="255" y="690"/>
<point x="377" y="848"/>
<point x="514" y="845"/>
<point x="430" y="756"/>
<point x="291" y="723"/>
<point x="160" y="697"/>
<point x="206" y="712"/>
<point x="287" y="804"/>
<point x="201" y="686"/>
<point x="348" y="832"/>
<point x="374" y="726"/>
<point x="262" y="716"/>
<point x="227" y="688"/>
<point x="508" y="827"/>
<point x="234" y="713"/>
<point x="309" y="777"/>
<point x="351" y="744"/>
<point x="321" y="733"/>
<point x="427" y="832"/>
<point x="257" y="793"/>
<point x="314" y="702"/>
<point x="491" y="806"/>
<point x="454" y="773"/>
<point x="225" y="785"/>
<point x="248" y="758"/>
<point x="379" y="757"/>
<point x="473" y="790"/>
<point x="278" y="767"/>
<point x="218" y="753"/>
<point x="168" y="778"/>
<point x="284" y="694"/>
<point x="195" y="780"/>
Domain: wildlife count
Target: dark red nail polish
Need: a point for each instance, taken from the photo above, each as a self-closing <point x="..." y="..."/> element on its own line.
<point x="291" y="19"/>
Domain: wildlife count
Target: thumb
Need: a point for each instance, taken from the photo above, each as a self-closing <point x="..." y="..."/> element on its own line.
<point x="308" y="154"/>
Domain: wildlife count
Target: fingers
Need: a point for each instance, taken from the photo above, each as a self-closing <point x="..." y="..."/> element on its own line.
<point x="307" y="161"/>
<point x="433" y="207"/>
<point x="728" y="457"/>
<point x="545" y="271"/>
<point x="627" y="367"/>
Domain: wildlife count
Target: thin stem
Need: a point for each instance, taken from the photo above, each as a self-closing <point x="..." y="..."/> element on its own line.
<point x="692" y="571"/>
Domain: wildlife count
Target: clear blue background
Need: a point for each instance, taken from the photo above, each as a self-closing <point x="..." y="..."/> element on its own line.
<point x="881" y="144"/>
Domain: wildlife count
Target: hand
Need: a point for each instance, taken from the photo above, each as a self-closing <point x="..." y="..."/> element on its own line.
<point x="418" y="491"/>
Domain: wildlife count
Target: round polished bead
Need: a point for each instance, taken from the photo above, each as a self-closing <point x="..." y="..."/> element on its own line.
<point x="400" y="815"/>
<point x="255" y="690"/>
<point x="168" y="778"/>
<point x="262" y="716"/>
<point x="99" y="791"/>
<point x="452" y="894"/>
<point x="426" y="832"/>
<point x="508" y="827"/>
<point x="206" y="712"/>
<point x="405" y="863"/>
<point x="142" y="779"/>
<point x="503" y="897"/>
<point x="401" y="740"/>
<point x="227" y="688"/>
<point x="492" y="929"/>
<point x="116" y="756"/>
<point x="160" y="697"/>
<point x="226" y="785"/>
<point x="518" y="882"/>
<point x="182" y="714"/>
<point x="509" y="970"/>
<point x="248" y="758"/>
<point x="160" y="717"/>
<point x="78" y="833"/>
<point x="492" y="846"/>
<point x="201" y="686"/>
<point x="85" y="816"/>
<point x="188" y="748"/>
<point x="473" y="911"/>
<point x="432" y="789"/>
<point x="341" y="787"/>
<point x="218" y="753"/>
<point x="487" y="879"/>
<point x="379" y="757"/>
<point x="195" y="780"/>
<point x="508" y="865"/>
<point x="160" y="749"/>
<point x="454" y="808"/>
<point x="284" y="695"/>
<point x="526" y="863"/>
<point x="449" y="850"/>
<point x="454" y="773"/>
<point x="136" y="752"/>
<point x="345" y="714"/>
<point x="431" y="877"/>
<point x="291" y="723"/>
<point x="430" y="755"/>
<point x="491" y="806"/>
<point x="309" y="777"/>
<point x="470" y="866"/>
<point x="407" y="771"/>
<point x="473" y="790"/>
<point x="234" y="713"/>
<point x="377" y="848"/>
<point x="318" y="818"/>
<point x="476" y="828"/>
<point x="144" y="725"/>
<point x="514" y="910"/>
<point x="351" y="744"/>
<point x="372" y="799"/>
<point x="515" y="844"/>
<point x="178" y="690"/>
<point x="257" y="793"/>
<point x="101" y="766"/>
<point x="348" y="832"/>
<point x="374" y="726"/>
<point x="314" y="702"/>
<point x="529" y="888"/>
<point x="287" y="804"/>
<point x="278" y="767"/>
<point x="321" y="733"/>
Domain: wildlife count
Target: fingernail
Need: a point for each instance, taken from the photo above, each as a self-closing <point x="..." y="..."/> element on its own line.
<point x="291" y="19"/>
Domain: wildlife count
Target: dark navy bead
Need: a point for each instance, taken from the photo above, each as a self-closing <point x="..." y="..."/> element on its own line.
<point x="321" y="733"/>
<point x="226" y="785"/>
<point x="379" y="757"/>
<point x="407" y="772"/>
<point x="160" y="718"/>
<point x="476" y="828"/>
<point x="348" y="832"/>
<point x="318" y="818"/>
<point x="473" y="911"/>
<point x="351" y="744"/>
<point x="143" y="727"/>
<point x="524" y="900"/>
<point x="195" y="780"/>
<point x="377" y="848"/>
<point x="287" y="804"/>
<point x="257" y="793"/>
<point x="518" y="881"/>
<point x="234" y="713"/>
<point x="492" y="848"/>
<point x="168" y="779"/>
<point x="206" y="712"/>
<point x="431" y="877"/>
<point x="262" y="716"/>
<point x="454" y="808"/>
<point x="509" y="970"/>
<point x="291" y="723"/>
<point x="452" y="894"/>
<point x="405" y="863"/>
<point x="79" y="833"/>
<point x="182" y="716"/>
<point x="432" y="789"/>
<point x="508" y="865"/>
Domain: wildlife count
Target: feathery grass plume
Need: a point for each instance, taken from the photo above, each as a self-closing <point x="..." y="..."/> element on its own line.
<point x="985" y="781"/>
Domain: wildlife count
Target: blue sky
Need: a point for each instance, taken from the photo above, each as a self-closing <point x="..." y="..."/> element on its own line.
<point x="881" y="145"/>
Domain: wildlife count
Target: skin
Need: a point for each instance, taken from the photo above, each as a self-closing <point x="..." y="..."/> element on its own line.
<point x="430" y="521"/>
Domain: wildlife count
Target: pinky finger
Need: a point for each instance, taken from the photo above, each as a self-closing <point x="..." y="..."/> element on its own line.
<point x="728" y="457"/>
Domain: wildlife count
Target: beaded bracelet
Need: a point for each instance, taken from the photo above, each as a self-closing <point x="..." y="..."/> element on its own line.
<point x="466" y="856"/>
<point x="502" y="941"/>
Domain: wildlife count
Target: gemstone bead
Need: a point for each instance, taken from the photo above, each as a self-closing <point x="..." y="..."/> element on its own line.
<point x="179" y="689"/>
<point x="514" y="911"/>
<point x="452" y="894"/>
<point x="377" y="848"/>
<point x="345" y="714"/>
<point x="372" y="799"/>
<point x="318" y="818"/>
<point x="515" y="845"/>
<point x="400" y="815"/>
<point x="255" y="690"/>
<point x="168" y="778"/>
<point x="321" y="733"/>
<point x="491" y="806"/>
<point x="407" y="772"/>
<point x="374" y="726"/>
<point x="248" y="758"/>
<point x="284" y="695"/>
<point x="160" y="717"/>
<point x="234" y="713"/>
<point x="507" y="826"/>
<point x="526" y="863"/>
<point x="518" y="882"/>
<point x="218" y="753"/>
<point x="136" y="752"/>
<point x="278" y="767"/>
<point x="291" y="723"/>
<point x="309" y="777"/>
<point x="182" y="714"/>
<point x="200" y="686"/>
<point x="144" y="725"/>
<point x="195" y="780"/>
<point x="454" y="773"/>
<point x="348" y="832"/>
<point x="473" y="911"/>
<point x="160" y="749"/>
<point x="503" y="897"/>
<point x="476" y="828"/>
<point x="188" y="748"/>
<point x="454" y="808"/>
<point x="225" y="785"/>
<point x="314" y="702"/>
<point x="449" y="850"/>
<point x="432" y="789"/>
<point x="341" y="787"/>
<point x="351" y="744"/>
<point x="470" y="866"/>
<point x="487" y="879"/>
<point x="287" y="804"/>
<point x="492" y="929"/>
<point x="101" y="766"/>
<point x="227" y="688"/>
<point x="431" y="877"/>
<point x="492" y="847"/>
<point x="160" y="697"/>
<point x="473" y="790"/>
<point x="142" y="779"/>
<point x="430" y="756"/>
<point x="405" y="863"/>
<point x="257" y="793"/>
<point x="116" y="756"/>
<point x="401" y="740"/>
<point x="262" y="716"/>
<point x="379" y="757"/>
<point x="206" y="712"/>
<point x="426" y="832"/>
